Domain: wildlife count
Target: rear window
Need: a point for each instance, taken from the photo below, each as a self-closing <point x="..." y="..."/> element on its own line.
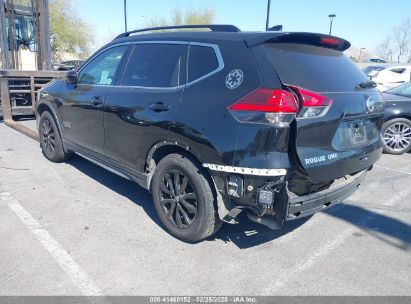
<point x="314" y="68"/>
<point x="202" y="60"/>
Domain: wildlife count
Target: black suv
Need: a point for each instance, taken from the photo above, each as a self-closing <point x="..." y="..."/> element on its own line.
<point x="279" y="124"/>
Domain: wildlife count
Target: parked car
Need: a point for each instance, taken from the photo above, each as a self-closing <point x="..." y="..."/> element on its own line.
<point x="392" y="76"/>
<point x="278" y="124"/>
<point x="372" y="70"/>
<point x="377" y="60"/>
<point x="396" y="129"/>
<point x="68" y="65"/>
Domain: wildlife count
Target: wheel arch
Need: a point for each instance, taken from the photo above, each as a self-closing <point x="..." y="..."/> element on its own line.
<point x="41" y="108"/>
<point x="164" y="148"/>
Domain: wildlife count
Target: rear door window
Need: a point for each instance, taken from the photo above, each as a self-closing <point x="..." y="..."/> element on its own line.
<point x="202" y="60"/>
<point x="314" y="68"/>
<point x="155" y="65"/>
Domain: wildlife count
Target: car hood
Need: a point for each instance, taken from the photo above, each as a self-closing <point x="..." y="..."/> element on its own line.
<point x="392" y="97"/>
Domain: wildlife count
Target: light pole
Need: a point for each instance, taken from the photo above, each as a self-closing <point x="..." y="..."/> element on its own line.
<point x="125" y="15"/>
<point x="359" y="56"/>
<point x="268" y="15"/>
<point x="332" y="16"/>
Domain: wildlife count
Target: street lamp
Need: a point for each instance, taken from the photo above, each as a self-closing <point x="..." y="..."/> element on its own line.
<point x="125" y="15"/>
<point x="267" y="21"/>
<point x="359" y="56"/>
<point x="331" y="16"/>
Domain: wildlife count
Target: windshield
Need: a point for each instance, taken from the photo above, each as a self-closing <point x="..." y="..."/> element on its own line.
<point x="403" y="90"/>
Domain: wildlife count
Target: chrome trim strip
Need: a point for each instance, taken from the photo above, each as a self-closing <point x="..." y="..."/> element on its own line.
<point x="215" y="47"/>
<point x="247" y="171"/>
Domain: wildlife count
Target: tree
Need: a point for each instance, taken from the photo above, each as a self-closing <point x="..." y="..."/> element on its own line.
<point x="386" y="49"/>
<point x="69" y="32"/>
<point x="188" y="16"/>
<point x="402" y="38"/>
<point x="398" y="43"/>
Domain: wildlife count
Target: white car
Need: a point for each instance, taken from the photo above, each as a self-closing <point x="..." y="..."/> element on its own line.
<point x="391" y="76"/>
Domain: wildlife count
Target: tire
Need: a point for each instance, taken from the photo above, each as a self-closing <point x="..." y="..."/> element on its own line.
<point x="396" y="135"/>
<point x="184" y="199"/>
<point x="50" y="139"/>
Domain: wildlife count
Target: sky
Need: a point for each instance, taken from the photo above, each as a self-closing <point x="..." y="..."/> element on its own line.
<point x="362" y="22"/>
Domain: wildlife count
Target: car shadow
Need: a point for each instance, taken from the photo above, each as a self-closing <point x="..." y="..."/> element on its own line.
<point x="247" y="234"/>
<point x="387" y="229"/>
<point x="244" y="235"/>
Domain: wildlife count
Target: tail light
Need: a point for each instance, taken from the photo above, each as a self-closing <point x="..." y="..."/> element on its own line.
<point x="265" y="106"/>
<point x="313" y="104"/>
<point x="278" y="106"/>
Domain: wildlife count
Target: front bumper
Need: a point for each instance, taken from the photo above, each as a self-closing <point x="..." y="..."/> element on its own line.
<point x="301" y="206"/>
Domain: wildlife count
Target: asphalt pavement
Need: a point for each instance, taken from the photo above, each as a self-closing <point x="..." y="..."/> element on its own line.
<point x="76" y="229"/>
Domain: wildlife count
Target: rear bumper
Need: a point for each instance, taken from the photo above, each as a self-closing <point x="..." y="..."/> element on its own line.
<point x="301" y="206"/>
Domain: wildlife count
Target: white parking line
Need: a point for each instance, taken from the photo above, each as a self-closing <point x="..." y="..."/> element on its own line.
<point x="60" y="255"/>
<point x="395" y="170"/>
<point x="323" y="251"/>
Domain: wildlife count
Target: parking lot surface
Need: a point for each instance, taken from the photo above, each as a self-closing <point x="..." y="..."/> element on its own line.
<point x="76" y="229"/>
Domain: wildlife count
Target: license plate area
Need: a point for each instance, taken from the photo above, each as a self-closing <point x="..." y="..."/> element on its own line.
<point x="355" y="133"/>
<point x="358" y="131"/>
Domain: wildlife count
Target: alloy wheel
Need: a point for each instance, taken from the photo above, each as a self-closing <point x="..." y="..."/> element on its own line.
<point x="48" y="137"/>
<point x="178" y="199"/>
<point x="397" y="137"/>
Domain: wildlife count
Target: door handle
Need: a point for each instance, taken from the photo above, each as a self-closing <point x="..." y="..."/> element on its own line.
<point x="96" y="101"/>
<point x="159" y="107"/>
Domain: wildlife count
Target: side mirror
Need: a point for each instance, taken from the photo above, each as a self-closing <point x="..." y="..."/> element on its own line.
<point x="71" y="77"/>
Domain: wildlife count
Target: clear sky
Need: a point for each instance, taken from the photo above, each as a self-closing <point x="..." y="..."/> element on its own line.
<point x="363" y="22"/>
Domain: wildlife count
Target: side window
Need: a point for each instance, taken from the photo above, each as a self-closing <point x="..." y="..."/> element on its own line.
<point x="102" y="69"/>
<point x="154" y="65"/>
<point x="201" y="61"/>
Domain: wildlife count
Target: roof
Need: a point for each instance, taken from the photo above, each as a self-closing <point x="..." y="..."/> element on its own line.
<point x="221" y="32"/>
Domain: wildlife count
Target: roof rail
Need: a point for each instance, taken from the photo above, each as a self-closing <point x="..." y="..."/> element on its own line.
<point x="212" y="27"/>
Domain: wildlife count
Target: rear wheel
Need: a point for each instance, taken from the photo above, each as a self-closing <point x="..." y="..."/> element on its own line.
<point x="183" y="199"/>
<point x="396" y="135"/>
<point x="50" y="139"/>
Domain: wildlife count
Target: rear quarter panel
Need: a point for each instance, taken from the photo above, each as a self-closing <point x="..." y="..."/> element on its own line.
<point x="202" y="121"/>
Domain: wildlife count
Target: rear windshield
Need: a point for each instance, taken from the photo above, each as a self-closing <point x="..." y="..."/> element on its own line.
<point x="314" y="68"/>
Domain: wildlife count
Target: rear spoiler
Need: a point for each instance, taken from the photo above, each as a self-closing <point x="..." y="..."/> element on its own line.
<point x="320" y="40"/>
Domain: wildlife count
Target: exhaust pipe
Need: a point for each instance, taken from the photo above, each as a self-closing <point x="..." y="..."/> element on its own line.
<point x="268" y="221"/>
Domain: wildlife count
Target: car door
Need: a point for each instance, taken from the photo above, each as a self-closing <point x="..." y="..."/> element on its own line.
<point x="139" y="109"/>
<point x="81" y="109"/>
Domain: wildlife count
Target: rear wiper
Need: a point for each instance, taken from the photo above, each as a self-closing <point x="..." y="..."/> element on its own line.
<point x="367" y="84"/>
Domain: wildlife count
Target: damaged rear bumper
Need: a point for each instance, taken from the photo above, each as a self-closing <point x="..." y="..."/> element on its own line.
<point x="301" y="206"/>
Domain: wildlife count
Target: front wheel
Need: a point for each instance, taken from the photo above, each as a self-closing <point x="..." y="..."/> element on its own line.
<point x="396" y="134"/>
<point x="50" y="139"/>
<point x="183" y="199"/>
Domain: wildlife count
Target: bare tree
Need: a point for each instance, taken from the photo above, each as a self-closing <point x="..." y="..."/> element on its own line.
<point x="386" y="49"/>
<point x="402" y="39"/>
<point x="397" y="43"/>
